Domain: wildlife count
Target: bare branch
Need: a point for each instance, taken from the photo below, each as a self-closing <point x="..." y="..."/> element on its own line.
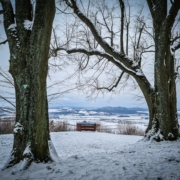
<point x="147" y="52"/>
<point x="81" y="65"/>
<point x="140" y="33"/>
<point x="111" y="87"/>
<point x="176" y="47"/>
<point x="62" y="11"/>
<point x="5" y="99"/>
<point x="4" y="42"/>
<point x="150" y="34"/>
<point x="6" y="77"/>
<point x="138" y="42"/>
<point x="127" y="18"/>
<point x="122" y="25"/>
<point x="6" y="110"/>
<point x="59" y="94"/>
<point x="175" y="39"/>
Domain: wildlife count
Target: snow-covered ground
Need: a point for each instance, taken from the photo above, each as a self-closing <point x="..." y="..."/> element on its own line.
<point x="99" y="156"/>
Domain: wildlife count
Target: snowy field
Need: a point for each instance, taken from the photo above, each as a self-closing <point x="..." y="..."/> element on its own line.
<point x="99" y="156"/>
<point x="110" y="122"/>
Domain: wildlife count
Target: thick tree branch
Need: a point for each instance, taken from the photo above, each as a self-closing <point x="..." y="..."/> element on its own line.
<point x="8" y="13"/>
<point x="23" y="8"/>
<point x="172" y="15"/>
<point x="101" y="54"/>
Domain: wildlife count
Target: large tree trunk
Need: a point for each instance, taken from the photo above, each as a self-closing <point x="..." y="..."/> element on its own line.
<point x="165" y="121"/>
<point x="29" y="65"/>
<point x="165" y="94"/>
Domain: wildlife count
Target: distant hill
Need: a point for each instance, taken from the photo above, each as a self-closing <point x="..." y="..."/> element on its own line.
<point x="119" y="110"/>
<point x="95" y="111"/>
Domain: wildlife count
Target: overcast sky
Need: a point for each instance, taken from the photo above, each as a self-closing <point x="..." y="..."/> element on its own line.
<point x="79" y="99"/>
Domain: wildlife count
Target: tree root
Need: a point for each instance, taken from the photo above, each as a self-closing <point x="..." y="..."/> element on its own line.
<point x="154" y="135"/>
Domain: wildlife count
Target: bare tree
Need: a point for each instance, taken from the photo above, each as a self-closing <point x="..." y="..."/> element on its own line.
<point x="96" y="38"/>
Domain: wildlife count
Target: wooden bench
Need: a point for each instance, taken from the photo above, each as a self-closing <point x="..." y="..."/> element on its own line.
<point x="86" y="126"/>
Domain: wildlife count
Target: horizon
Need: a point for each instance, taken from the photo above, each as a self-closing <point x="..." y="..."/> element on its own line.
<point x="87" y="107"/>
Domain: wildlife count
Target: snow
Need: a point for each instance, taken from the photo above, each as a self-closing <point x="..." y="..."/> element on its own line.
<point x="171" y="135"/>
<point x="25" y="86"/>
<point x="17" y="127"/>
<point x="134" y="64"/>
<point x="14" y="57"/>
<point x="92" y="112"/>
<point x="85" y="122"/>
<point x="164" y="62"/>
<point x="28" y="24"/>
<point x="84" y="112"/>
<point x="101" y="156"/>
<point x="139" y="72"/>
<point x="12" y="27"/>
<point x="27" y="150"/>
<point x="53" y="110"/>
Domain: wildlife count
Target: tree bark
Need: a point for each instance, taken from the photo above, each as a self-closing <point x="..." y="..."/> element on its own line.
<point x="165" y="121"/>
<point x="29" y="48"/>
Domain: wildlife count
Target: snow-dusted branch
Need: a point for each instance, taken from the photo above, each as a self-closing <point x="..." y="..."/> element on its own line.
<point x="110" y="58"/>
